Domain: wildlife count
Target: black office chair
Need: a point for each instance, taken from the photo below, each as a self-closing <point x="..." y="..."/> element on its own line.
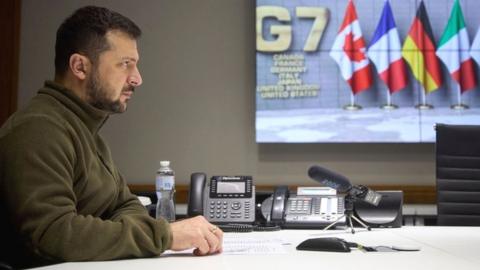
<point x="458" y="175"/>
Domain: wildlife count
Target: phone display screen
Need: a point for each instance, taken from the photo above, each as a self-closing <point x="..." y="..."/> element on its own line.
<point x="231" y="187"/>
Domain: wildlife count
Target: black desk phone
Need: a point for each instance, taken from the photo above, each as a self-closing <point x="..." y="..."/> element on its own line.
<point x="231" y="200"/>
<point x="225" y="199"/>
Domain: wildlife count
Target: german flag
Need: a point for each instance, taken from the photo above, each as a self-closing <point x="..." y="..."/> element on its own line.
<point x="419" y="52"/>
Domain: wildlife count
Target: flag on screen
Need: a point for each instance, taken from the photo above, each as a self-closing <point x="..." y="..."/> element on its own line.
<point x="385" y="52"/>
<point x="349" y="50"/>
<point x="454" y="50"/>
<point x="419" y="52"/>
<point x="475" y="50"/>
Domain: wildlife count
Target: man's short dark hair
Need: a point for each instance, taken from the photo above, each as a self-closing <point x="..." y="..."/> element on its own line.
<point x="84" y="33"/>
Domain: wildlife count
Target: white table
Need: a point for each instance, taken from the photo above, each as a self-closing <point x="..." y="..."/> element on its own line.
<point x="441" y="248"/>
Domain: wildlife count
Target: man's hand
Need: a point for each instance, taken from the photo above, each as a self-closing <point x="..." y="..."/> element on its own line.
<point x="196" y="233"/>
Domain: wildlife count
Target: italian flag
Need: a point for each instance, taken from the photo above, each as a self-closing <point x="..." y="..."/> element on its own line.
<point x="454" y="50"/>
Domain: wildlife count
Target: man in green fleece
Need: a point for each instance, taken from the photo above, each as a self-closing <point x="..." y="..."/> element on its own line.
<point x="61" y="196"/>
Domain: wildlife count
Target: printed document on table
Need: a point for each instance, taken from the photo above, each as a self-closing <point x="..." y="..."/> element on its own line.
<point x="234" y="244"/>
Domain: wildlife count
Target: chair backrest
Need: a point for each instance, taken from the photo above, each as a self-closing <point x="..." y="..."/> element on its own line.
<point x="458" y="175"/>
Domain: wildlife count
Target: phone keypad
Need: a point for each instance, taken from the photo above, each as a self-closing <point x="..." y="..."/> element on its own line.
<point x="300" y="205"/>
<point x="315" y="209"/>
<point x="228" y="210"/>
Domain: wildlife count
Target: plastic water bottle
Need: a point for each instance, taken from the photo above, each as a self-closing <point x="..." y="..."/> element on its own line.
<point x="165" y="187"/>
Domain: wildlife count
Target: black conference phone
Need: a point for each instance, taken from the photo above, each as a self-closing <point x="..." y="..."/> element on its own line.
<point x="231" y="200"/>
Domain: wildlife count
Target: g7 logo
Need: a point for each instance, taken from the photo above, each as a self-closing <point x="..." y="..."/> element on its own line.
<point x="284" y="32"/>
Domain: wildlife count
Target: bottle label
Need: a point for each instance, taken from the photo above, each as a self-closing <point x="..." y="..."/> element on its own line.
<point x="165" y="182"/>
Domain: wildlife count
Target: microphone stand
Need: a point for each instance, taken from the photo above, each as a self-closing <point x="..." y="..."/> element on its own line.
<point x="349" y="204"/>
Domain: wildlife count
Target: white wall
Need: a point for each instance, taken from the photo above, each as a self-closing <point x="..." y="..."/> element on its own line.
<point x="196" y="105"/>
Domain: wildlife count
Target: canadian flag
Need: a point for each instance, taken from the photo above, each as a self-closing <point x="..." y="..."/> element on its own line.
<point x="349" y="52"/>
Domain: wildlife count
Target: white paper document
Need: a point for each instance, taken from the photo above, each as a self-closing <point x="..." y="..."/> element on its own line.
<point x="233" y="244"/>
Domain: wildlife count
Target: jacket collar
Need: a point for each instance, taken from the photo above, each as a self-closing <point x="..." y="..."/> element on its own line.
<point x="92" y="117"/>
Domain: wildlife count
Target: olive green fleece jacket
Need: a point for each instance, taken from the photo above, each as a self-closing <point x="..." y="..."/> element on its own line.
<point x="62" y="198"/>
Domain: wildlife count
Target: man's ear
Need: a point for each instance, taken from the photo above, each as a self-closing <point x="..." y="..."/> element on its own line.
<point x="79" y="65"/>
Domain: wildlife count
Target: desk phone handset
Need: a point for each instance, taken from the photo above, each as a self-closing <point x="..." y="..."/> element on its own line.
<point x="223" y="200"/>
<point x="310" y="207"/>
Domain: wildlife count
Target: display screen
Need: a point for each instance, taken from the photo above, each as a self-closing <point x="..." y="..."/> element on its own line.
<point x="322" y="66"/>
<point x="230" y="187"/>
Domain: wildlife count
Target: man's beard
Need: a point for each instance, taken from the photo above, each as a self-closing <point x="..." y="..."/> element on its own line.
<point x="98" y="96"/>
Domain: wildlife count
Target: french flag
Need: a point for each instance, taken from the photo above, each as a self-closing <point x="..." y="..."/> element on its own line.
<point x="385" y="52"/>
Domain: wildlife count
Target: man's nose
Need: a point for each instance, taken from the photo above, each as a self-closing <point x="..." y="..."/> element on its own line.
<point x="135" y="79"/>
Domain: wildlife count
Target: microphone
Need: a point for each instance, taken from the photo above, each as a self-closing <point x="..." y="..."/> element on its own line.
<point x="341" y="184"/>
<point x="330" y="179"/>
<point x="366" y="194"/>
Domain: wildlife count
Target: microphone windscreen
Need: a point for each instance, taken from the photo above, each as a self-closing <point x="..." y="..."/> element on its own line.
<point x="330" y="179"/>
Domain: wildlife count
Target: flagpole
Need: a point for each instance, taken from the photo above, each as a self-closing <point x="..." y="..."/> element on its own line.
<point x="424" y="96"/>
<point x="423" y="105"/>
<point x="352" y="106"/>
<point x="389" y="105"/>
<point x="459" y="95"/>
<point x="459" y="105"/>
